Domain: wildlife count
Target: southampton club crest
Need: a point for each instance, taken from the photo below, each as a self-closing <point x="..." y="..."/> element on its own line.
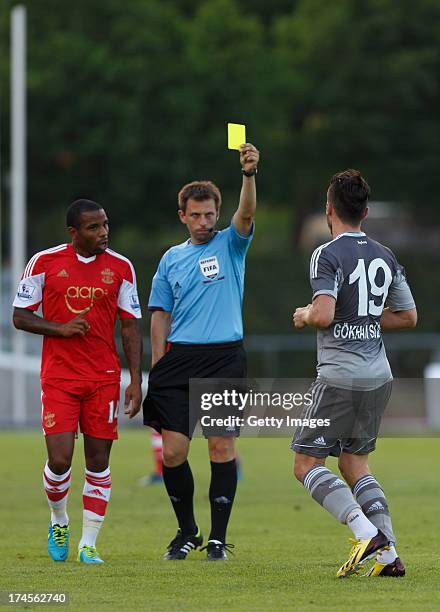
<point x="49" y="420"/>
<point x="107" y="276"/>
<point x="210" y="267"/>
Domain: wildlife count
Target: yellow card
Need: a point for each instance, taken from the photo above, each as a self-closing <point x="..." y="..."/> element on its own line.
<point x="236" y="135"/>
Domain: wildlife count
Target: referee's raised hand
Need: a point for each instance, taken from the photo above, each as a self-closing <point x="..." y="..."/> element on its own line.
<point x="244" y="216"/>
<point x="249" y="157"/>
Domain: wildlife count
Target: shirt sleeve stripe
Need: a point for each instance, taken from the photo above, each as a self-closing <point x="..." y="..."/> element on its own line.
<point x="119" y="256"/>
<point x="316" y="255"/>
<point x="30" y="266"/>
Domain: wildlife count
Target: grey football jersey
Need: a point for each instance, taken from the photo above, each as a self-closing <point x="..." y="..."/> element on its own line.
<point x="364" y="277"/>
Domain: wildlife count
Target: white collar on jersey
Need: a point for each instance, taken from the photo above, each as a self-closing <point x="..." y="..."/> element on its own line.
<point x="352" y="234"/>
<point x="86" y="259"/>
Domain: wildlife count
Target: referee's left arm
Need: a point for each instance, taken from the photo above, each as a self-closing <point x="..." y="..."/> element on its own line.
<point x="160" y="329"/>
<point x="160" y="304"/>
<point x="245" y="213"/>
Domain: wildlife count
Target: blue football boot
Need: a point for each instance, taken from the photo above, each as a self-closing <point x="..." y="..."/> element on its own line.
<point x="89" y="554"/>
<point x="58" y="542"/>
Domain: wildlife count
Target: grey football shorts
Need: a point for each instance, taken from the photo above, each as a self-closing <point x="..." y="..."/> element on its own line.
<point x="352" y="420"/>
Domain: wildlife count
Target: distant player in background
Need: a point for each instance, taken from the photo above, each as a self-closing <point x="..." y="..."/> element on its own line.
<point x="196" y="299"/>
<point x="156" y="477"/>
<point x="82" y="287"/>
<point x="359" y="290"/>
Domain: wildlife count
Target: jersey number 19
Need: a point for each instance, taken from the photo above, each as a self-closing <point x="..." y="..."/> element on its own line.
<point x="368" y="306"/>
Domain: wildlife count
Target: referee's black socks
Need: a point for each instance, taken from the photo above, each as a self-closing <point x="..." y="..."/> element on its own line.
<point x="221" y="495"/>
<point x="179" y="483"/>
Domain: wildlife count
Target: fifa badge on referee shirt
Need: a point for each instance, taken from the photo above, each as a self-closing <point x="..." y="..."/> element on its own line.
<point x="210" y="267"/>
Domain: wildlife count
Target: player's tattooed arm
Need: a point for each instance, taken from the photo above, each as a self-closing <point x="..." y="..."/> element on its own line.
<point x="244" y="216"/>
<point x="27" y="320"/>
<point x="319" y="314"/>
<point x="132" y="344"/>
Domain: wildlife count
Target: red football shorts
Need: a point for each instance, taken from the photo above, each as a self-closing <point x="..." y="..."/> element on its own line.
<point x="91" y="405"/>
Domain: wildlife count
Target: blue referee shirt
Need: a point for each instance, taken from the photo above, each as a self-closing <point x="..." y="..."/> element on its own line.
<point x="202" y="286"/>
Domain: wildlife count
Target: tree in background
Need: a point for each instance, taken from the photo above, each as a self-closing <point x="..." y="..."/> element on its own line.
<point x="129" y="100"/>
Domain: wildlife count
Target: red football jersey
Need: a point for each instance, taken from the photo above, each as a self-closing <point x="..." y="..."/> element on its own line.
<point x="65" y="284"/>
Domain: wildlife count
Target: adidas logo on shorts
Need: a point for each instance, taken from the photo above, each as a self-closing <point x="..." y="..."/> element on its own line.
<point x="319" y="441"/>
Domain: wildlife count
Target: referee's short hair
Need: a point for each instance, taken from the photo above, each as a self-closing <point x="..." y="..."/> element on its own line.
<point x="349" y="193"/>
<point x="199" y="191"/>
<point x="75" y="210"/>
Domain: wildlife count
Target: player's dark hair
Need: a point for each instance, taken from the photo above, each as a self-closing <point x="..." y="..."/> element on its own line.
<point x="75" y="210"/>
<point x="199" y="191"/>
<point x="349" y="193"/>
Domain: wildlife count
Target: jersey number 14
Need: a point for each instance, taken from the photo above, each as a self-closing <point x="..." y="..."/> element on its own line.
<point x="368" y="306"/>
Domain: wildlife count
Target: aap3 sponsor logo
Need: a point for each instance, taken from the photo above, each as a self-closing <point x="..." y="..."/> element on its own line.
<point x="91" y="294"/>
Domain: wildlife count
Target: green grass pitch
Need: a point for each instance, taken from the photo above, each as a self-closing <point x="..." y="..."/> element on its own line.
<point x="287" y="547"/>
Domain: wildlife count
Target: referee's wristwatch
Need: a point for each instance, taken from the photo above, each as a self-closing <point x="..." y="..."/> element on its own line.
<point x="250" y="173"/>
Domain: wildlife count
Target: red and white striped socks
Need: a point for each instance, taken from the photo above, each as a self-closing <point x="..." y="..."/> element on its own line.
<point x="96" y="495"/>
<point x="156" y="445"/>
<point x="57" y="487"/>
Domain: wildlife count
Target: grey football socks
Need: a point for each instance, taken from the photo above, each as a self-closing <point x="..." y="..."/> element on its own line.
<point x="331" y="492"/>
<point x="371" y="498"/>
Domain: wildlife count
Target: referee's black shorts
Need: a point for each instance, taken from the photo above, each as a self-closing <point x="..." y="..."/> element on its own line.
<point x="166" y="405"/>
